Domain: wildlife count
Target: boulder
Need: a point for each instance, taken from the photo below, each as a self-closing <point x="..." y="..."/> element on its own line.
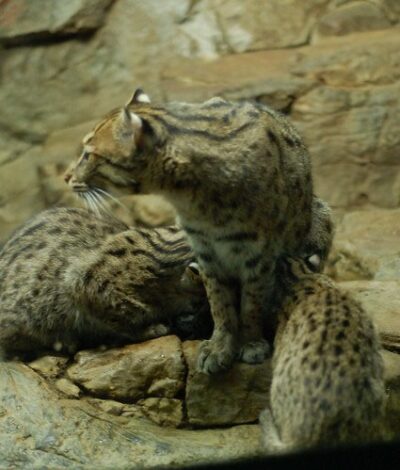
<point x="154" y="368"/>
<point x="366" y="246"/>
<point x="233" y="397"/>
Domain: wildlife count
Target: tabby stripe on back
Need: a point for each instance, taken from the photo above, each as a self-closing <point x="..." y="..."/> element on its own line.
<point x="175" y="130"/>
<point x="162" y="264"/>
<point x="181" y="249"/>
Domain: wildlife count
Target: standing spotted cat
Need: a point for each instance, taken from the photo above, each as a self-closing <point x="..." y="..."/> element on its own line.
<point x="71" y="279"/>
<point x="239" y="177"/>
<point x="327" y="372"/>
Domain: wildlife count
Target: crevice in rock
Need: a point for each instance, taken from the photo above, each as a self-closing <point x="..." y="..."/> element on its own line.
<point x="45" y="39"/>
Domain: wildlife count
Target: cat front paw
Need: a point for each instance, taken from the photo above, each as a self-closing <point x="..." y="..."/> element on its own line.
<point x="254" y="352"/>
<point x="215" y="356"/>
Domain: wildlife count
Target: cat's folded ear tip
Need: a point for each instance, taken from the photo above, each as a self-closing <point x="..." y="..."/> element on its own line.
<point x="138" y="96"/>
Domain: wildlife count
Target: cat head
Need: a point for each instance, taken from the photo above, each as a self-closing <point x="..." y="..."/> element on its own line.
<point x="112" y="153"/>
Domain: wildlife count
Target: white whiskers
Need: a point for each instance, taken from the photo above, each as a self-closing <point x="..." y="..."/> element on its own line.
<point x="96" y="202"/>
<point x="101" y="192"/>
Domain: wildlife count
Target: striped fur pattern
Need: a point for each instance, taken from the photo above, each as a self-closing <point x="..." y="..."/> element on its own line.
<point x="327" y="377"/>
<point x="239" y="177"/>
<point x="70" y="279"/>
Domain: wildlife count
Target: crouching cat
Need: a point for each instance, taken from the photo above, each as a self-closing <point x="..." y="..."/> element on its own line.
<point x="327" y="371"/>
<point x="69" y="279"/>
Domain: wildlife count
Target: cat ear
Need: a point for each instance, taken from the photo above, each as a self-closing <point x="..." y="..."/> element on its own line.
<point x="194" y="267"/>
<point x="315" y="261"/>
<point x="139" y="96"/>
<point x="127" y="124"/>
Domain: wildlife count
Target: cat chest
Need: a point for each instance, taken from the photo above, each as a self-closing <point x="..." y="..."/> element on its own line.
<point x="228" y="258"/>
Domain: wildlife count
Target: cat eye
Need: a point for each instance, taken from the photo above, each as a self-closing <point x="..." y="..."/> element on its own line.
<point x="85" y="157"/>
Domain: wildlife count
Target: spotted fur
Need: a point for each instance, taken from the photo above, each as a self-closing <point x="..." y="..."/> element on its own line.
<point x="239" y="177"/>
<point x="327" y="386"/>
<point x="70" y="279"/>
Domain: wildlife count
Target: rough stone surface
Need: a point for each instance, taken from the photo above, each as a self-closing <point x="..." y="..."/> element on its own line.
<point x="40" y="430"/>
<point x="221" y="26"/>
<point x="342" y="92"/>
<point x="163" y="411"/>
<point x="69" y="389"/>
<point x="151" y="369"/>
<point x="366" y="246"/>
<point x="342" y="95"/>
<point x="49" y="366"/>
<point x="236" y="396"/>
<point x="382" y="301"/>
<point x="350" y="18"/>
<point x="22" y="21"/>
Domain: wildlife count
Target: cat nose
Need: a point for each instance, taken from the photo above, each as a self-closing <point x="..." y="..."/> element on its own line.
<point x="67" y="177"/>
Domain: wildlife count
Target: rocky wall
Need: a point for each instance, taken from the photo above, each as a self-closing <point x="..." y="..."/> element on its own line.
<point x="332" y="65"/>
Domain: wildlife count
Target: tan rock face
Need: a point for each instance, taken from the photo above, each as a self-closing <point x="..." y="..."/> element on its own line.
<point x="237" y="396"/>
<point x="219" y="27"/>
<point x="23" y="21"/>
<point x="342" y="92"/>
<point x="366" y="246"/>
<point x="382" y="302"/>
<point x="151" y="369"/>
<point x="350" y="18"/>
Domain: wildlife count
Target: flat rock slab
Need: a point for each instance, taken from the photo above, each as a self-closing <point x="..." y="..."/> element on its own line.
<point x="151" y="369"/>
<point x="234" y="397"/>
<point x="40" y="430"/>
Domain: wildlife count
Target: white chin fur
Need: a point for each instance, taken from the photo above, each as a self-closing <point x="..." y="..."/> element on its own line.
<point x="135" y="119"/>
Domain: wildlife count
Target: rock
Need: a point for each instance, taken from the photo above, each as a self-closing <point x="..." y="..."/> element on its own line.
<point x="350" y="18"/>
<point x="366" y="246"/>
<point x="108" y="406"/>
<point x="264" y="75"/>
<point x="392" y="366"/>
<point x="40" y="430"/>
<point x="22" y="21"/>
<point x="381" y="300"/>
<point x="49" y="366"/>
<point x="257" y="24"/>
<point x="236" y="396"/>
<point x="19" y="184"/>
<point x="151" y="369"/>
<point x="66" y="387"/>
<point x="342" y="95"/>
<point x="392" y="378"/>
<point x="163" y="411"/>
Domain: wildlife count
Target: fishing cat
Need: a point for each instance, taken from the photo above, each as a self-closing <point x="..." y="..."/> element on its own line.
<point x="239" y="177"/>
<point x="71" y="279"/>
<point x="327" y="371"/>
